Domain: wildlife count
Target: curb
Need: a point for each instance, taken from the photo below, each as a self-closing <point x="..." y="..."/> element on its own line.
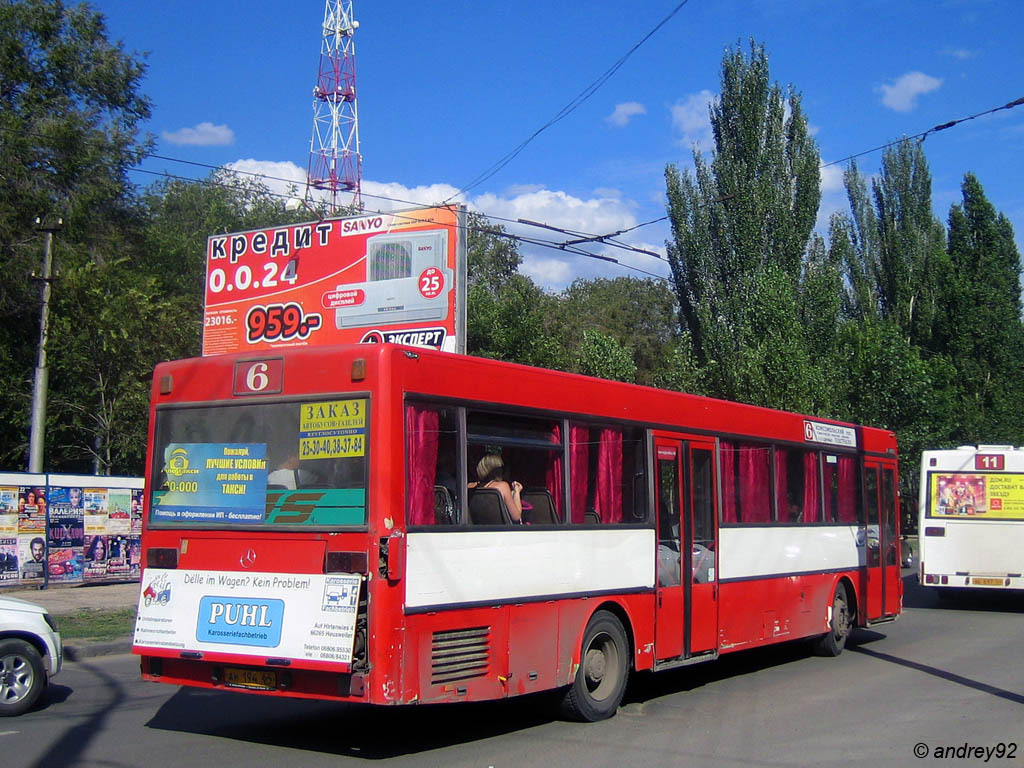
<point x="77" y="652"/>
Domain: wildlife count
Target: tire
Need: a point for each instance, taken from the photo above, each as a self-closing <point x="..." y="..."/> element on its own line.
<point x="600" y="681"/>
<point x="832" y="642"/>
<point x="22" y="677"/>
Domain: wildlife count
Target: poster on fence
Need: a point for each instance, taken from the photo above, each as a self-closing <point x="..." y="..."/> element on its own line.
<point x="69" y="528"/>
<point x="66" y="534"/>
<point x="8" y="559"/>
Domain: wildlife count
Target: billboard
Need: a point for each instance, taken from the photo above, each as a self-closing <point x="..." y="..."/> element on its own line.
<point x="383" y="277"/>
<point x="69" y="528"/>
<point x="976" y="496"/>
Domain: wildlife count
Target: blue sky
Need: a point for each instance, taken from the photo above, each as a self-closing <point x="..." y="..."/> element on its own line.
<point x="446" y="89"/>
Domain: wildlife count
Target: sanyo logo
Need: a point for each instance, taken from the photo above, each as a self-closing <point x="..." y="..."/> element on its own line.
<point x="363" y="225"/>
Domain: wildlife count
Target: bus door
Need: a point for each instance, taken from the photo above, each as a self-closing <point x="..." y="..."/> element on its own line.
<point x="881" y="540"/>
<point x="687" y="591"/>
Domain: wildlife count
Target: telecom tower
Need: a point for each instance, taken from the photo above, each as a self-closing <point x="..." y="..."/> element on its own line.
<point x="335" y="164"/>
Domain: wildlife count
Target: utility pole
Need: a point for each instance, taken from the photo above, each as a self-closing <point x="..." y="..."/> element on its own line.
<point x="35" y="443"/>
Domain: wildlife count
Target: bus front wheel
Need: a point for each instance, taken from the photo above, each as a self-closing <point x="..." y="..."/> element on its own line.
<point x="832" y="642"/>
<point x="600" y="682"/>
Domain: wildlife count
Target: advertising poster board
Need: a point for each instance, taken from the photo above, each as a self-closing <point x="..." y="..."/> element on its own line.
<point x="66" y="531"/>
<point x="32" y="532"/>
<point x="383" y="277"/>
<point x="59" y="528"/>
<point x="297" y="616"/>
<point x="9" y="534"/>
<point x="977" y="496"/>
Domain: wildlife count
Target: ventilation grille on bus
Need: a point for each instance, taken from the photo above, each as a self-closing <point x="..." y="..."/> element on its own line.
<point x="460" y="654"/>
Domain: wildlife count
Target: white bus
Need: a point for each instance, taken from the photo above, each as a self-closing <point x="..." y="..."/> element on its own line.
<point x="972" y="518"/>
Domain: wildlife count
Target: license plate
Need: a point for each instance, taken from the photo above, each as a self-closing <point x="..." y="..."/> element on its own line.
<point x="986" y="582"/>
<point x="253" y="679"/>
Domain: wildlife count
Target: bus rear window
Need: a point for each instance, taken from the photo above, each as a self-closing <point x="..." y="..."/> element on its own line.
<point x="266" y="464"/>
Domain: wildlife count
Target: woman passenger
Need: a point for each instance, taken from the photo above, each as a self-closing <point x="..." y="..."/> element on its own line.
<point x="491" y="473"/>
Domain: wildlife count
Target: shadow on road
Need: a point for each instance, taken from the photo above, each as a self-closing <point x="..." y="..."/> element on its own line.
<point x="68" y="747"/>
<point x="371" y="732"/>
<point x="374" y="733"/>
<point x="942" y="674"/>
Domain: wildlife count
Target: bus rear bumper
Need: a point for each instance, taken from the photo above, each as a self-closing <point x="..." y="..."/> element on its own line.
<point x="292" y="683"/>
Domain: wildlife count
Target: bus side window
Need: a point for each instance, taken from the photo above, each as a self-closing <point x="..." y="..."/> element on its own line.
<point x="606" y="469"/>
<point x="431" y="442"/>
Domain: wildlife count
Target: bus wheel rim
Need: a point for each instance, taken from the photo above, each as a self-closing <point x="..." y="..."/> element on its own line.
<point x="600" y="667"/>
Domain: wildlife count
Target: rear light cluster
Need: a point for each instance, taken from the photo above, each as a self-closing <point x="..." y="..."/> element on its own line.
<point x="162" y="557"/>
<point x="932" y="578"/>
<point x="346" y="562"/>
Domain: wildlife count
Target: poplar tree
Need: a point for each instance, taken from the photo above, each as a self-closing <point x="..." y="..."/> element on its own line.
<point x="741" y="223"/>
<point x="981" y="320"/>
<point x="912" y="263"/>
<point x="70" y="116"/>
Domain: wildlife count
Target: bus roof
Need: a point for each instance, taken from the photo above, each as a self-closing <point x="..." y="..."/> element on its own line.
<point x="405" y="371"/>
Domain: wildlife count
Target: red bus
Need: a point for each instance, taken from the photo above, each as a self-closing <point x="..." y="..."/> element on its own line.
<point x="388" y="525"/>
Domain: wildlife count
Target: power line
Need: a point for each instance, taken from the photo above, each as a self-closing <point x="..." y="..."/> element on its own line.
<point x="398" y="214"/>
<point x="565" y="246"/>
<point x="924" y="134"/>
<point x="583" y="236"/>
<point x="569" y="108"/>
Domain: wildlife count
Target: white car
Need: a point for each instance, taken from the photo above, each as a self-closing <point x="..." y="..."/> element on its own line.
<point x="30" y="654"/>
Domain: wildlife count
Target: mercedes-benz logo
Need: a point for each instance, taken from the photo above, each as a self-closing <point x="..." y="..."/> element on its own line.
<point x="248" y="559"/>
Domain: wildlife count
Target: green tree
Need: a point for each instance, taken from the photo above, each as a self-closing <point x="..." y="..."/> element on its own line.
<point x="640" y="315"/>
<point x="981" y="320"/>
<point x="740" y="229"/>
<point x="513" y="325"/>
<point x="906" y="249"/>
<point x="854" y="242"/>
<point x="493" y="256"/>
<point x="111" y="326"/>
<point x="70" y="111"/>
<point x="601" y="355"/>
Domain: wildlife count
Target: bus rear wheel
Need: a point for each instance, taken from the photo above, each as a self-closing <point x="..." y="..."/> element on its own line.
<point x="832" y="642"/>
<point x="600" y="681"/>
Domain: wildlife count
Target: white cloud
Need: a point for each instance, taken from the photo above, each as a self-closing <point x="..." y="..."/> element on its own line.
<point x="203" y="135"/>
<point x="623" y="112"/>
<point x="901" y="95"/>
<point x="546" y="271"/>
<point x="602" y="213"/>
<point x="599" y="215"/>
<point x="392" y="196"/>
<point x="960" y="54"/>
<point x="692" y="120"/>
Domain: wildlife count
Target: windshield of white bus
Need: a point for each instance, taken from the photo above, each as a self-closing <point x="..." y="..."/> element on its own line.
<point x="266" y="464"/>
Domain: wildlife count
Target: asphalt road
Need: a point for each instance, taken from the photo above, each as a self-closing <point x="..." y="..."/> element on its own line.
<point x="943" y="676"/>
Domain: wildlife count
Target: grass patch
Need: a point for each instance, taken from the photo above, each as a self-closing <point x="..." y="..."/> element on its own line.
<point x="97" y="624"/>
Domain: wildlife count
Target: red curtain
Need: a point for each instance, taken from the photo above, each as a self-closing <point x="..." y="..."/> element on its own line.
<point x="812" y="495"/>
<point x="609" y="476"/>
<point x="579" y="464"/>
<point x="421" y="438"/>
<point x="727" y="455"/>
<point x="847" y="489"/>
<point x="553" y="477"/>
<point x="781" y="486"/>
<point x="755" y="491"/>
